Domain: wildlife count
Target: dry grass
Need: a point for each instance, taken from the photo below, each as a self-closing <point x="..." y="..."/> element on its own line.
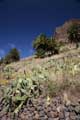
<point x="63" y="73"/>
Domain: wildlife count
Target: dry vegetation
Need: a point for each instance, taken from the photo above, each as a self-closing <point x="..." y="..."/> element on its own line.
<point x="56" y="76"/>
<point x="61" y="69"/>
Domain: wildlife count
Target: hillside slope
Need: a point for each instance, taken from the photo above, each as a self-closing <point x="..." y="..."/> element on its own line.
<point x="55" y="66"/>
<point x="42" y="89"/>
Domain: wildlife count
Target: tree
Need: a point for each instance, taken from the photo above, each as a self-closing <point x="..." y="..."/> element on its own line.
<point x="40" y="42"/>
<point x="40" y="53"/>
<point x="74" y="34"/>
<point x="52" y="46"/>
<point x="45" y="46"/>
<point x="12" y="56"/>
<point x="40" y="45"/>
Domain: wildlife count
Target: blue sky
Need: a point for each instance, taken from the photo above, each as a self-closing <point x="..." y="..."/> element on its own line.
<point x="22" y="20"/>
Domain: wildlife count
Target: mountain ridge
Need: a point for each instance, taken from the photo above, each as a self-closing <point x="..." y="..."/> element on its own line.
<point x="61" y="31"/>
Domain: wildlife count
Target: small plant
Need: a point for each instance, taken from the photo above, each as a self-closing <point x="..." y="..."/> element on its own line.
<point x="53" y="88"/>
<point x="19" y="93"/>
<point x="7" y="72"/>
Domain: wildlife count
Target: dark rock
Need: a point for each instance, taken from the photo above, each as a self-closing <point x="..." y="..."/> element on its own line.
<point x="49" y="109"/>
<point x="39" y="108"/>
<point x="79" y="101"/>
<point x="42" y="113"/>
<point x="43" y="118"/>
<point x="70" y="108"/>
<point x="78" y="117"/>
<point x="73" y="104"/>
<point x="77" y="109"/>
<point x="46" y="112"/>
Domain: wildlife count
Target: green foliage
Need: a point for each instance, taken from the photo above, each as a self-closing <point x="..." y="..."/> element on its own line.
<point x="52" y="46"/>
<point x="12" y="56"/>
<point x="8" y="71"/>
<point x="19" y="93"/>
<point x="40" y="42"/>
<point x="40" y="53"/>
<point x="40" y="45"/>
<point x="74" y="33"/>
<point x="45" y="46"/>
<point x="43" y="78"/>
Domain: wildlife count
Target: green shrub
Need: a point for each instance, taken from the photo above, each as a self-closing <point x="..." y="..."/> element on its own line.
<point x="19" y="93"/>
<point x="40" y="45"/>
<point x="40" y="53"/>
<point x="52" y="46"/>
<point x="45" y="46"/>
<point x="74" y="34"/>
<point x="12" y="56"/>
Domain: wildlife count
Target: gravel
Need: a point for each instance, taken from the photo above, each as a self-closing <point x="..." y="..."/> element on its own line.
<point x="39" y="110"/>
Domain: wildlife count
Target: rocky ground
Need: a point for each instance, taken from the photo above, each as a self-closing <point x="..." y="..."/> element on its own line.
<point x="57" y="70"/>
<point x="39" y="109"/>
